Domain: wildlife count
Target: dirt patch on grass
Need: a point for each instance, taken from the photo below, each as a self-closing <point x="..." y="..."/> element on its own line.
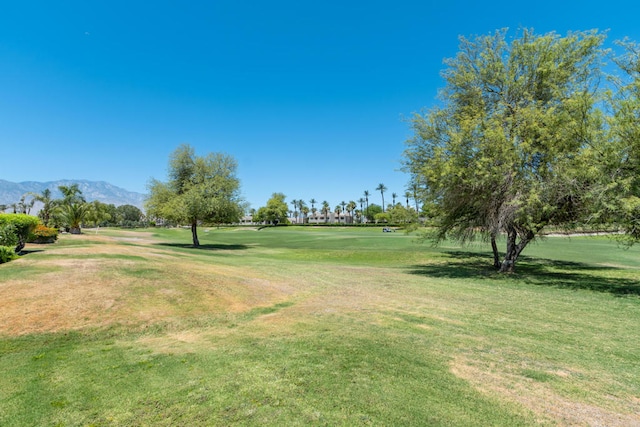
<point x="547" y="405"/>
<point x="96" y="285"/>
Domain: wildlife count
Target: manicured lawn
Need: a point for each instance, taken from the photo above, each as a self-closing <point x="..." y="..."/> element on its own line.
<point x="317" y="326"/>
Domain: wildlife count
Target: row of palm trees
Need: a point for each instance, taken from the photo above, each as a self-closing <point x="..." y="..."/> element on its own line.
<point x="300" y="207"/>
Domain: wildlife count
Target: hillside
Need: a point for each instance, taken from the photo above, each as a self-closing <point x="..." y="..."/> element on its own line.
<point x="11" y="192"/>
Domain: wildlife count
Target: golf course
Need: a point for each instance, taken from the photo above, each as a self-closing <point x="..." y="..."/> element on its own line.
<point x="336" y="326"/>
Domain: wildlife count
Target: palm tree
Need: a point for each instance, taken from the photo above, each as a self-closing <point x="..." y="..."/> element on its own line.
<point x="361" y="201"/>
<point x="393" y="197"/>
<point x="351" y="206"/>
<point x="23" y="206"/>
<point x="414" y="189"/>
<point x="325" y="210"/>
<point x="338" y="210"/>
<point x="305" y="212"/>
<point x="294" y="203"/>
<point x="407" y="195"/>
<point x="71" y="194"/>
<point x="366" y="199"/>
<point x="313" y="202"/>
<point x="72" y="215"/>
<point x="48" y="205"/>
<point x="301" y="206"/>
<point x="381" y="188"/>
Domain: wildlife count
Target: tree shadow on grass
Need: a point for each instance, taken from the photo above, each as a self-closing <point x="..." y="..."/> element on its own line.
<point x="30" y="251"/>
<point x="206" y="247"/>
<point x="531" y="270"/>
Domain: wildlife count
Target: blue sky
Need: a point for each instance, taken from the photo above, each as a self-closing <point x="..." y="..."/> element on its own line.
<point x="309" y="97"/>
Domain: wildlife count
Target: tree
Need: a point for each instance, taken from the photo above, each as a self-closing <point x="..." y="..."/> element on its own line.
<point x="351" y="207"/>
<point x="71" y="194"/>
<point x="302" y="207"/>
<point x="24" y="206"/>
<point x="619" y="193"/>
<point x="275" y="211"/>
<point x="361" y="201"/>
<point x="325" y="210"/>
<point x="366" y="199"/>
<point x="47" y="205"/>
<point x="393" y="199"/>
<point x="399" y="214"/>
<point x="371" y="211"/>
<point x="71" y="216"/>
<point x="338" y="211"/>
<point x="381" y="188"/>
<point x="506" y="151"/>
<point x="199" y="189"/>
<point x="128" y="215"/>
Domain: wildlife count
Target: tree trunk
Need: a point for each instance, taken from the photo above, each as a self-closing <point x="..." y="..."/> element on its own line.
<point x="514" y="249"/>
<point x="194" y="234"/>
<point x="496" y="255"/>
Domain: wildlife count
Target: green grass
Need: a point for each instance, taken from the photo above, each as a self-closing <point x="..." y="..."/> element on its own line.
<point x="369" y="328"/>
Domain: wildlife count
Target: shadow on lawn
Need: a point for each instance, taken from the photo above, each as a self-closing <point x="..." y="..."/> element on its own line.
<point x="206" y="247"/>
<point x="531" y="270"/>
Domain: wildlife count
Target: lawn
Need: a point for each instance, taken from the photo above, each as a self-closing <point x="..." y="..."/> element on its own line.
<point x="317" y="326"/>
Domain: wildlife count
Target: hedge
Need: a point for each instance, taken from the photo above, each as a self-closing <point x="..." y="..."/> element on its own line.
<point x="24" y="224"/>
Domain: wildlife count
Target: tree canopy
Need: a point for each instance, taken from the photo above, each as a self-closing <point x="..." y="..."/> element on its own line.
<point x="276" y="210"/>
<point x="199" y="190"/>
<point x="507" y="150"/>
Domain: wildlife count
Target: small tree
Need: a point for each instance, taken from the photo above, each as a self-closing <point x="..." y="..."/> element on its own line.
<point x="275" y="211"/>
<point x="72" y="215"/>
<point x="199" y="189"/>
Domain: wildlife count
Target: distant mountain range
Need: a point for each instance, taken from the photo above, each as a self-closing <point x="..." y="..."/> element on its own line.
<point x="11" y="192"/>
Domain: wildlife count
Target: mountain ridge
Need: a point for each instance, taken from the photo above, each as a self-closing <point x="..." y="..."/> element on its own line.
<point x="11" y="192"/>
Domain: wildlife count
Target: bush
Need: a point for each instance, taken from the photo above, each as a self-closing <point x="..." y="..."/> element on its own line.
<point x="24" y="224"/>
<point x="43" y="234"/>
<point x="8" y="235"/>
<point x="7" y="254"/>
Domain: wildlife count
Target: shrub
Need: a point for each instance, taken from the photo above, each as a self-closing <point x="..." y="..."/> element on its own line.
<point x="43" y="234"/>
<point x="24" y="224"/>
<point x="7" y="254"/>
<point x="8" y="235"/>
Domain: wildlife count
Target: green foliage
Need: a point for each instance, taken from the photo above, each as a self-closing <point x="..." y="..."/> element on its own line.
<point x="199" y="190"/>
<point x="8" y="235"/>
<point x="371" y="211"/>
<point x="129" y="216"/>
<point x="617" y="195"/>
<point x="48" y="204"/>
<point x="7" y="254"/>
<point x="23" y="225"/>
<point x="72" y="215"/>
<point x="276" y="210"/>
<point x="507" y="152"/>
<point x="399" y="214"/>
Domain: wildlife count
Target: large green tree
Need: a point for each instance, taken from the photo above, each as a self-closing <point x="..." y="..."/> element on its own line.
<point x="504" y="153"/>
<point x="199" y="190"/>
<point x="622" y="152"/>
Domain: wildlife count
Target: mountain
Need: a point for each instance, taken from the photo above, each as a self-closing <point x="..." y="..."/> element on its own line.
<point x="11" y="192"/>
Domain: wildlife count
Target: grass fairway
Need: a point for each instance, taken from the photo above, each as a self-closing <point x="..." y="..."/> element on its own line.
<point x="317" y="326"/>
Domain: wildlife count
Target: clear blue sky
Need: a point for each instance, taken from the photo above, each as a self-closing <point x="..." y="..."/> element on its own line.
<point x="308" y="96"/>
